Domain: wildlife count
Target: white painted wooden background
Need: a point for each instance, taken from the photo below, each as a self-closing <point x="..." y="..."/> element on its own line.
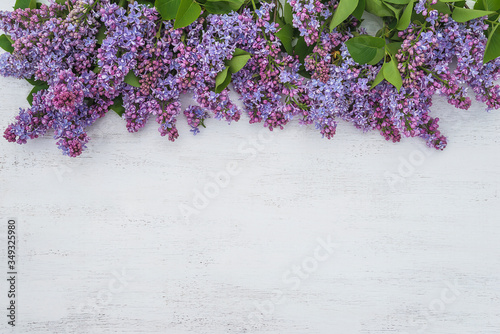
<point x="298" y="234"/>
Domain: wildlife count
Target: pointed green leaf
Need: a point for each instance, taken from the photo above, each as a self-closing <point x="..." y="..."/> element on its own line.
<point x="392" y="74"/>
<point x="360" y="9"/>
<point x="379" y="78"/>
<point x="132" y="79"/>
<point x="442" y="8"/>
<point x="221" y="76"/>
<point x="237" y="63"/>
<point x="396" y="9"/>
<point x="222" y="80"/>
<point x="344" y="9"/>
<point x="493" y="45"/>
<point x="303" y="72"/>
<point x="464" y="14"/>
<point x="6" y="44"/>
<point x="222" y="6"/>
<point x="23" y="4"/>
<point x="288" y="13"/>
<point x="378" y="8"/>
<point x="101" y="34"/>
<point x="35" y="82"/>
<point x="240" y="52"/>
<point x="148" y="3"/>
<point x="35" y="90"/>
<point x="393" y="48"/>
<point x="167" y="8"/>
<point x="366" y="49"/>
<point x="392" y="24"/>
<point x="117" y="106"/>
<point x="378" y="57"/>
<point x="188" y="12"/>
<point x="301" y="49"/>
<point x="398" y="2"/>
<point x="405" y="19"/>
<point x="285" y="35"/>
<point x="487" y="5"/>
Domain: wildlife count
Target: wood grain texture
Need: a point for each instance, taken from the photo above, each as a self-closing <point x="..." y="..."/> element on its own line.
<point x="106" y="246"/>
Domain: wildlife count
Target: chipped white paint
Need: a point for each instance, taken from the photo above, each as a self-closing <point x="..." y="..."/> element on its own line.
<point x="107" y="246"/>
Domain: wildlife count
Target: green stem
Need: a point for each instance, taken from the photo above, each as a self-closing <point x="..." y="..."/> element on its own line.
<point x="435" y="76"/>
<point x="275" y="11"/>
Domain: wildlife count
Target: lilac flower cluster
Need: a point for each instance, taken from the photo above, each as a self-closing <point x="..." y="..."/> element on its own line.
<point x="196" y="116"/>
<point x="91" y="56"/>
<point x="340" y="88"/>
<point x="271" y="89"/>
<point x="308" y="15"/>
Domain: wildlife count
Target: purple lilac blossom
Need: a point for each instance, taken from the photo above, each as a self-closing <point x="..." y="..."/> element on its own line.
<point x="85" y="51"/>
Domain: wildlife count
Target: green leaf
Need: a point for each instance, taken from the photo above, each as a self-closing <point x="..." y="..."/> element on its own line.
<point x="285" y="35"/>
<point x="131" y="79"/>
<point x="158" y="33"/>
<point x="238" y="61"/>
<point x="398" y="2"/>
<point x="303" y="72"/>
<point x="288" y="13"/>
<point x="487" y="5"/>
<point x="366" y="49"/>
<point x="240" y="52"/>
<point x="378" y="8"/>
<point x="442" y="8"/>
<point x="117" y="106"/>
<point x="6" y="44"/>
<point x="35" y="82"/>
<point x="222" y="80"/>
<point x="301" y="49"/>
<point x="23" y="4"/>
<point x="221" y="76"/>
<point x="396" y="10"/>
<point x="492" y="50"/>
<point x="457" y="3"/>
<point x="148" y="3"/>
<point x="392" y="74"/>
<point x="392" y="25"/>
<point x="188" y="12"/>
<point x="463" y="15"/>
<point x="393" y="48"/>
<point x="167" y="8"/>
<point x="379" y="78"/>
<point x="101" y="34"/>
<point x="360" y="9"/>
<point x="405" y="19"/>
<point x="222" y="6"/>
<point x="280" y="22"/>
<point x="35" y="90"/>
<point x="344" y="9"/>
<point x="378" y="57"/>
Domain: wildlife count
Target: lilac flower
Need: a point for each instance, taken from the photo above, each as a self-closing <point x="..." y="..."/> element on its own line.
<point x="196" y="117"/>
<point x="308" y="16"/>
<point x="144" y="65"/>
